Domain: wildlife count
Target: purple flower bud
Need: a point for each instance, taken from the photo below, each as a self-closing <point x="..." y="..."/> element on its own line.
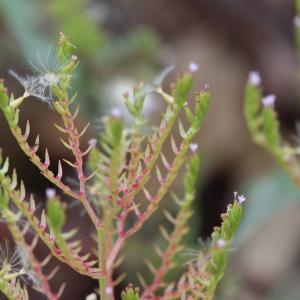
<point x="268" y="100"/>
<point x="50" y="193"/>
<point x="193" y="67"/>
<point x="193" y="147"/>
<point x="254" y="78"/>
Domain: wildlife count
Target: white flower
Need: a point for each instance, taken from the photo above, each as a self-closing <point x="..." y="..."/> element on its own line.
<point x="297" y="21"/>
<point x="268" y="100"/>
<point x="92" y="143"/>
<point x="254" y="78"/>
<point x="221" y="243"/>
<point x="193" y="67"/>
<point x="50" y="193"/>
<point x="91" y="296"/>
<point x="109" y="290"/>
<point x="239" y="198"/>
<point x="116" y="112"/>
<point x="193" y="147"/>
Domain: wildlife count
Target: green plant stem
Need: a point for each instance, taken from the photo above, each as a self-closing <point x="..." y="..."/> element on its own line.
<point x="102" y="264"/>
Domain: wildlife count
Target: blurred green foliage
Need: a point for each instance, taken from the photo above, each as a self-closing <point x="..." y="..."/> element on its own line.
<point x="33" y="24"/>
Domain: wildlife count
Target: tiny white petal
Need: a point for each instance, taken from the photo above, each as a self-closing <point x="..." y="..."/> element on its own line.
<point x="109" y="290"/>
<point x="50" y="193"/>
<point x="297" y="21"/>
<point x="193" y="147"/>
<point x="241" y="199"/>
<point x="268" y="100"/>
<point x="193" y="67"/>
<point x="206" y="86"/>
<point x="116" y="112"/>
<point x="221" y="243"/>
<point x="235" y="195"/>
<point x="92" y="142"/>
<point x="254" y="78"/>
<point x="92" y="296"/>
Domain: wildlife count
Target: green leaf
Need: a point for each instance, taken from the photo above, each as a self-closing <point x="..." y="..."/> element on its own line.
<point x="130" y="294"/>
<point x="4" y="200"/>
<point x="65" y="48"/>
<point x="202" y="104"/>
<point x="271" y="128"/>
<point x="218" y="262"/>
<point x="3" y="95"/>
<point x="55" y="214"/>
<point x="252" y="107"/>
<point x="114" y="130"/>
<point x="191" y="175"/>
<point x="182" y="89"/>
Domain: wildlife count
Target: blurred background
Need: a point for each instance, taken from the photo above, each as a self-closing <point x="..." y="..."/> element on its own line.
<point x="122" y="42"/>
